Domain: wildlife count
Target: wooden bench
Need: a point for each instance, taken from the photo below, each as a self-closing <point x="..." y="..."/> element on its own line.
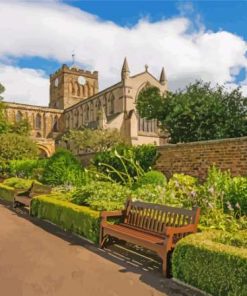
<point x="154" y="227"/>
<point x="24" y="198"/>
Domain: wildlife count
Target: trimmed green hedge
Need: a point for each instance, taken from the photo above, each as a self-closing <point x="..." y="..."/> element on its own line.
<point x="71" y="217"/>
<point x="6" y="192"/>
<point x="216" y="268"/>
<point x="19" y="183"/>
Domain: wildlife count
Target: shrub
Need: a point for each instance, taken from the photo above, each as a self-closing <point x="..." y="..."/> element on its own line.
<point x="6" y="192"/>
<point x="213" y="267"/>
<point x="236" y="195"/>
<point x="63" y="168"/>
<point x="152" y="177"/>
<point x="70" y="217"/>
<point x="150" y="193"/>
<point x="222" y="191"/>
<point x="27" y="168"/>
<point x="14" y="146"/>
<point x="183" y="189"/>
<point x="124" y="158"/>
<point x="101" y="195"/>
<point x="18" y="183"/>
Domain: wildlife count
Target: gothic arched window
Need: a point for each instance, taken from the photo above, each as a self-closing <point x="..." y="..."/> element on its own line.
<point x="55" y="124"/>
<point x="112" y="104"/>
<point x="38" y="121"/>
<point x="87" y="113"/>
<point x="19" y="116"/>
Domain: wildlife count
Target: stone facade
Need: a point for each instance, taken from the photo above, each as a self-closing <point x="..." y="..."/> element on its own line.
<point x="75" y="101"/>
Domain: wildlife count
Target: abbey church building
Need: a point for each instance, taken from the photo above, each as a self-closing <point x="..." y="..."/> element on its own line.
<point x="75" y="101"/>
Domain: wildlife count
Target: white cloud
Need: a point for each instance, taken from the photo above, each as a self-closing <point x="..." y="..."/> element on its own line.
<point x="24" y="85"/>
<point x="54" y="30"/>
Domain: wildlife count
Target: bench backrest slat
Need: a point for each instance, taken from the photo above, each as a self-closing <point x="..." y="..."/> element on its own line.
<point x="155" y="218"/>
<point x="38" y="189"/>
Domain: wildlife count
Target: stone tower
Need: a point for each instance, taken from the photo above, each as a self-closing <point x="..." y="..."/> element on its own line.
<point x="70" y="85"/>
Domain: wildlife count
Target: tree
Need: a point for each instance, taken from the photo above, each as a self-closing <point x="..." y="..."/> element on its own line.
<point x="14" y="146"/>
<point x="4" y="125"/>
<point x="200" y="112"/>
<point x="2" y="89"/>
<point x="21" y="127"/>
<point x="93" y="140"/>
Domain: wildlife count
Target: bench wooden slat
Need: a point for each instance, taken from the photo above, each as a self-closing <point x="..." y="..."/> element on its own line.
<point x="157" y="227"/>
<point x="24" y="198"/>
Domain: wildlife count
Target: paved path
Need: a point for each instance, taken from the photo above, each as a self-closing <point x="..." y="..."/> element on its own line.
<point x="37" y="258"/>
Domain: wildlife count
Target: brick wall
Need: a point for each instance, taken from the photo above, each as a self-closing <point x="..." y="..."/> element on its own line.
<point x="195" y="158"/>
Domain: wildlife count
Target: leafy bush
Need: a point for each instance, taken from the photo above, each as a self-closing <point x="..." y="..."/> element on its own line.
<point x="14" y="146"/>
<point x="18" y="183"/>
<point x="27" y="168"/>
<point x="213" y="267"/>
<point x="6" y="192"/>
<point x="63" y="168"/>
<point x="236" y="195"/>
<point x="183" y="189"/>
<point x="124" y="159"/>
<point x="150" y="193"/>
<point x="152" y="177"/>
<point x="222" y="191"/>
<point x="70" y="217"/>
<point x="101" y="195"/>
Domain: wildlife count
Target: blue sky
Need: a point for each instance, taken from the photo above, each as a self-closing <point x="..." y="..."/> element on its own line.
<point x="192" y="39"/>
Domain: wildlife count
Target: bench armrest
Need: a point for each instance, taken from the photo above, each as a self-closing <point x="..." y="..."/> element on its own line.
<point x="169" y="231"/>
<point x="105" y="214"/>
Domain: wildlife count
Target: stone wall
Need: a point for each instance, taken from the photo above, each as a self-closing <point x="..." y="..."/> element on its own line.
<point x="195" y="158"/>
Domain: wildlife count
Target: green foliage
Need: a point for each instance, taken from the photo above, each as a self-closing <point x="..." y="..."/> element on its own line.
<point x="70" y="217"/>
<point x="152" y="177"/>
<point x="101" y="195"/>
<point x="238" y="239"/>
<point x="151" y="193"/>
<point x="6" y="192"/>
<point x="21" y="127"/>
<point x="213" y="267"/>
<point x="183" y="189"/>
<point x="19" y="183"/>
<point x="63" y="168"/>
<point x="222" y="191"/>
<point x="27" y="168"/>
<point x="14" y="146"/>
<point x="200" y="112"/>
<point x="2" y="89"/>
<point x="125" y="164"/>
<point x="93" y="140"/>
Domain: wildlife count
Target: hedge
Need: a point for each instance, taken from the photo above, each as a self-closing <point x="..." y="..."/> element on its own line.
<point x="216" y="268"/>
<point x="71" y="217"/>
<point x="6" y="192"/>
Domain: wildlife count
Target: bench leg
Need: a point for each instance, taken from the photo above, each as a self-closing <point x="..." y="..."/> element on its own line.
<point x="102" y="238"/>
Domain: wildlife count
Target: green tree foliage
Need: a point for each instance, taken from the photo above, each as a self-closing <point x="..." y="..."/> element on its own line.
<point x="93" y="140"/>
<point x="2" y="89"/>
<point x="200" y="112"/>
<point x="14" y="146"/>
<point x="4" y="125"/>
<point x="21" y="127"/>
<point x="63" y="168"/>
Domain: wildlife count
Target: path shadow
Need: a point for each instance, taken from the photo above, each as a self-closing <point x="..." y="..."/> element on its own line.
<point x="131" y="258"/>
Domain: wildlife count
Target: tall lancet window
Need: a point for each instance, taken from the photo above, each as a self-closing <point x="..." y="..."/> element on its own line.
<point x="18" y="116"/>
<point x="38" y="121"/>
